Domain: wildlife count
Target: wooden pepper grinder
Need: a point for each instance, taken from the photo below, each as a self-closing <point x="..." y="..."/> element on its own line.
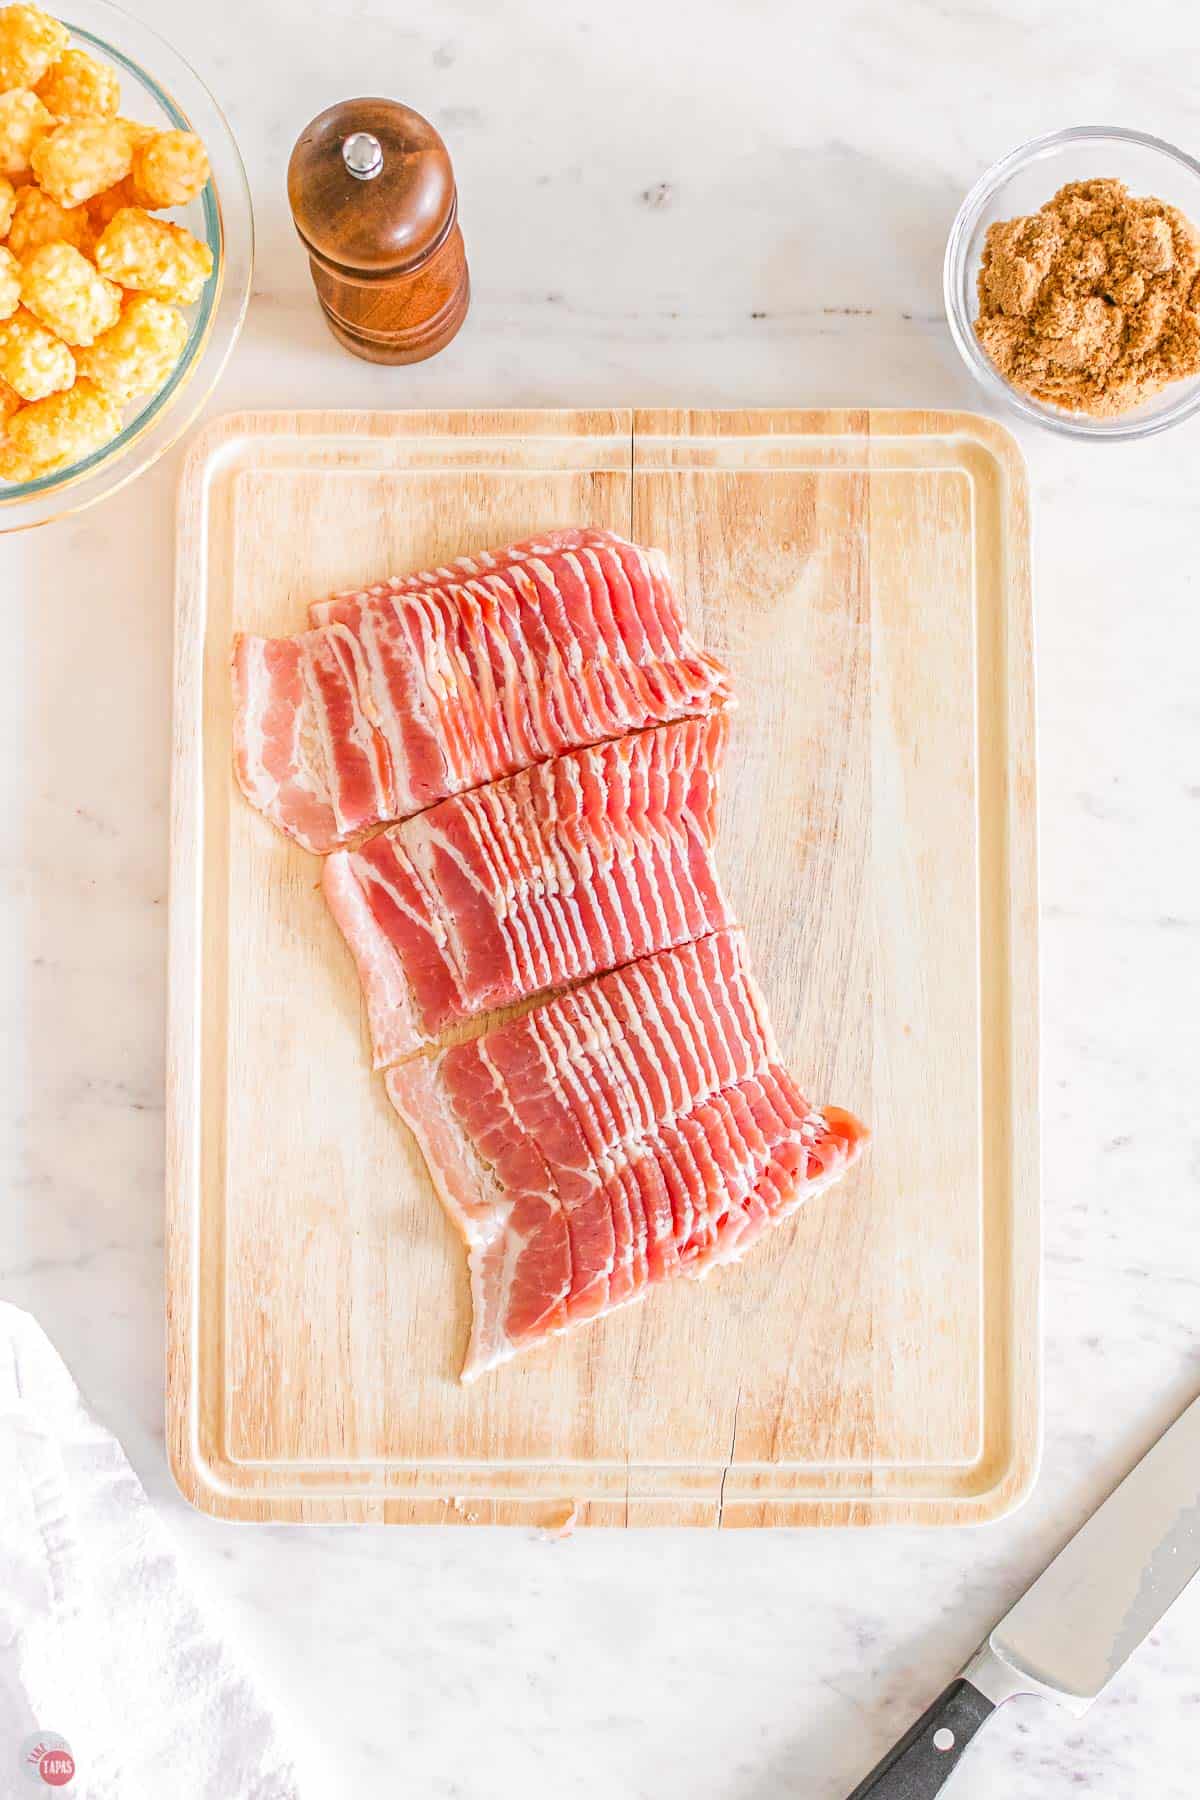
<point x="373" y="198"/>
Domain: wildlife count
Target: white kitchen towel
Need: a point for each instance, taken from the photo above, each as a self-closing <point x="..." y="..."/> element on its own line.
<point x="101" y="1644"/>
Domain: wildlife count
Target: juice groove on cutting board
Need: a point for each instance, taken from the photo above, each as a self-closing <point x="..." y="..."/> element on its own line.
<point x="866" y="574"/>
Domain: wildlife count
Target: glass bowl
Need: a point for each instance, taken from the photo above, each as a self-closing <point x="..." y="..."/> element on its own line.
<point x="1020" y="184"/>
<point x="158" y="88"/>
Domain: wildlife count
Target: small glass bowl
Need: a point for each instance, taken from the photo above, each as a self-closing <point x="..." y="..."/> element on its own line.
<point x="172" y="96"/>
<point x="1022" y="183"/>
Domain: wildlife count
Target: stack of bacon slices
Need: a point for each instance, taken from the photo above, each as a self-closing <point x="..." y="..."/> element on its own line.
<point x="541" y="737"/>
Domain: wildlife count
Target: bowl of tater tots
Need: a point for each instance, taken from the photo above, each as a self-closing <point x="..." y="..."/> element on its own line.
<point x="126" y="246"/>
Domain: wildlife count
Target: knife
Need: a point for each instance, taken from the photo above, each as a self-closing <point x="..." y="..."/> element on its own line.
<point x="1077" y="1625"/>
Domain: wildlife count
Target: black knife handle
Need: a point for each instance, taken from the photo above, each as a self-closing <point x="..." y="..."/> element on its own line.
<point x="917" y="1768"/>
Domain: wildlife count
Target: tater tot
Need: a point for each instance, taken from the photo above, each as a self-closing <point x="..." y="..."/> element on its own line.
<point x="30" y="40"/>
<point x="153" y="256"/>
<point x="137" y="355"/>
<point x="24" y="121"/>
<point x="81" y="158"/>
<point x="103" y="208"/>
<point x="38" y="220"/>
<point x="10" y="403"/>
<point x="63" y="290"/>
<point x="8" y="200"/>
<point x="10" y="283"/>
<point x="57" y="431"/>
<point x="79" y="87"/>
<point x="170" y="168"/>
<point x="32" y="360"/>
<point x="137" y="132"/>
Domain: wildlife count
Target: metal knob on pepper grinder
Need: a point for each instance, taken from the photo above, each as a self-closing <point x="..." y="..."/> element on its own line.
<point x="373" y="198"/>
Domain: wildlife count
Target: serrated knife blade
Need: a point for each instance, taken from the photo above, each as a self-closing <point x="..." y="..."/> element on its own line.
<point x="1080" y="1622"/>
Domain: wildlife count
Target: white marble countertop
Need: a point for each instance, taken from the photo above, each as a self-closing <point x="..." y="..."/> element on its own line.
<point x="724" y="206"/>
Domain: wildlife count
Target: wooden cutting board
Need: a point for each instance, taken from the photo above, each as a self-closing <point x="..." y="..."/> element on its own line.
<point x="877" y="1360"/>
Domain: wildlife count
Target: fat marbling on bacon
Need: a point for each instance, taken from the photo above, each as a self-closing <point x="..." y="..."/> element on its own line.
<point x="424" y="686"/>
<point x="637" y="1129"/>
<point x="570" y="868"/>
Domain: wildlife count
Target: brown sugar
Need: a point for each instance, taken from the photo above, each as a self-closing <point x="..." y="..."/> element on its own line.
<point x="1093" y="303"/>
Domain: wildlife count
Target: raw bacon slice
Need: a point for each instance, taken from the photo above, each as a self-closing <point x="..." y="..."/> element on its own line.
<point x="467" y="568"/>
<point x="633" y="1130"/>
<point x="419" y="688"/>
<point x="567" y="869"/>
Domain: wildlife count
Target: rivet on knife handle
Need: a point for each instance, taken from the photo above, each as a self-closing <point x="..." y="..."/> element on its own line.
<point x="918" y="1766"/>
